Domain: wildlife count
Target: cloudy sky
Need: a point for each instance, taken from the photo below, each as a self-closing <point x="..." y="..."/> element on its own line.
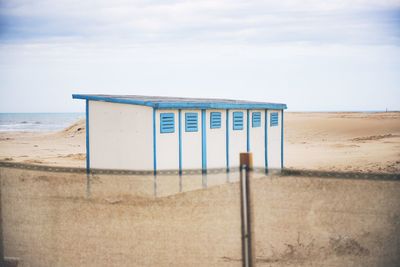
<point x="312" y="55"/>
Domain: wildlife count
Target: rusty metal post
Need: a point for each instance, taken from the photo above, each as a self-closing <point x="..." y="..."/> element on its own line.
<point x="246" y="165"/>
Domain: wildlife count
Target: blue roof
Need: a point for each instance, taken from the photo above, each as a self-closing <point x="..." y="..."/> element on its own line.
<point x="163" y="102"/>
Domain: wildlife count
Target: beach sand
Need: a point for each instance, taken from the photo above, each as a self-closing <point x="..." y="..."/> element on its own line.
<point x="52" y="219"/>
<point x="324" y="141"/>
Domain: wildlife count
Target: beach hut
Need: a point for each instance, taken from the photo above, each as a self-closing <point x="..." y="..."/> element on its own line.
<point x="185" y="135"/>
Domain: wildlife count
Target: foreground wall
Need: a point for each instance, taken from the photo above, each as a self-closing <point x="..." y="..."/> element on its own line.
<point x="47" y="221"/>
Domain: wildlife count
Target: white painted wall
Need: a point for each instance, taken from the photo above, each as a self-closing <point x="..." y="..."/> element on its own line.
<point x="274" y="142"/>
<point x="120" y="136"/>
<point x="237" y="139"/>
<point x="257" y="140"/>
<point x="191" y="143"/>
<point x="216" y="141"/>
<point x="167" y="144"/>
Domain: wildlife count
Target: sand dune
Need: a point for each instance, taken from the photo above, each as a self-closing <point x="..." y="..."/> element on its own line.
<point x="367" y="142"/>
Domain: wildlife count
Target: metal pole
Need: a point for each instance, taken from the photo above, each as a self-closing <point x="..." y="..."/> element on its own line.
<point x="245" y="204"/>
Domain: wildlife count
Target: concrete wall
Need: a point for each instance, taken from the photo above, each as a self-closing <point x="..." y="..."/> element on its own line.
<point x="191" y="143"/>
<point x="257" y="140"/>
<point x="120" y="136"/>
<point x="167" y="144"/>
<point x="216" y="142"/>
<point x="274" y="141"/>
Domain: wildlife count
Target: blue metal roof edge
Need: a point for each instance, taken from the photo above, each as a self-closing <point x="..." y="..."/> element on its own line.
<point x="196" y="105"/>
<point x="113" y="100"/>
<point x="183" y="105"/>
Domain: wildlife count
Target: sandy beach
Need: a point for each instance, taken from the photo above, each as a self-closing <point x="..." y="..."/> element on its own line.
<point x="366" y="142"/>
<point x="49" y="220"/>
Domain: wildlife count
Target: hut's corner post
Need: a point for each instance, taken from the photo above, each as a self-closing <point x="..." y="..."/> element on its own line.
<point x="266" y="140"/>
<point x="87" y="139"/>
<point x="203" y="141"/>
<point x="87" y="151"/>
<point x="282" y="140"/>
<point x="154" y="153"/>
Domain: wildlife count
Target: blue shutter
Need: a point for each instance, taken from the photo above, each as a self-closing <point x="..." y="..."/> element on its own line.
<point x="237" y="120"/>
<point x="215" y="120"/>
<point x="256" y="119"/>
<point x="167" y="122"/>
<point x="274" y="119"/>
<point x="191" y="122"/>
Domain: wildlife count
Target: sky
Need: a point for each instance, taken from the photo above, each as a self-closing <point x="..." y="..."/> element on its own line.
<point x="334" y="55"/>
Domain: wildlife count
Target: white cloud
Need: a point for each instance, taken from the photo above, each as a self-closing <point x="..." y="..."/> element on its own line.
<point x="201" y="21"/>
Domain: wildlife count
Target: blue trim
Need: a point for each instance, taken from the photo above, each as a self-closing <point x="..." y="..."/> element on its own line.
<point x="87" y="139"/>
<point x="216" y="105"/>
<point x="266" y="139"/>
<point x="154" y="142"/>
<point x="248" y="130"/>
<point x="180" y="140"/>
<point x="227" y="140"/>
<point x="212" y="104"/>
<point x="203" y="141"/>
<point x="113" y="100"/>
<point x="282" y="140"/>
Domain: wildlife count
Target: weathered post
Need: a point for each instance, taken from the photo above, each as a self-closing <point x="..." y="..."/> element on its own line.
<point x="246" y="165"/>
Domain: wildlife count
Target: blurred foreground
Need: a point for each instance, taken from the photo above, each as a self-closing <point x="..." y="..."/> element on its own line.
<point x="298" y="221"/>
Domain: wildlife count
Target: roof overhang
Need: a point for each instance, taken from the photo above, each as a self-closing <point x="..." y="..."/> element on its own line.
<point x="215" y="104"/>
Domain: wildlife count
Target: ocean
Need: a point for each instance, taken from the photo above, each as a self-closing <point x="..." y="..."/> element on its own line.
<point x="37" y="122"/>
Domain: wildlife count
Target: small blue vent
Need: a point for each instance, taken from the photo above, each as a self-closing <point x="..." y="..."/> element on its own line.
<point x="237" y="120"/>
<point x="167" y="122"/>
<point x="191" y="122"/>
<point x="256" y="119"/>
<point x="215" y="120"/>
<point x="274" y="119"/>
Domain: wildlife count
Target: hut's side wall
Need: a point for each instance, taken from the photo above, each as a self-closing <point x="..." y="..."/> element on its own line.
<point x="120" y="136"/>
<point x="191" y="143"/>
<point x="274" y="141"/>
<point x="167" y="144"/>
<point x="216" y="141"/>
<point x="257" y="140"/>
<point x="237" y="139"/>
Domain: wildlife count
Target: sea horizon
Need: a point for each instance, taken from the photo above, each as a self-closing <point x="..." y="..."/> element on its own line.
<point x="57" y="121"/>
<point x="37" y="121"/>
